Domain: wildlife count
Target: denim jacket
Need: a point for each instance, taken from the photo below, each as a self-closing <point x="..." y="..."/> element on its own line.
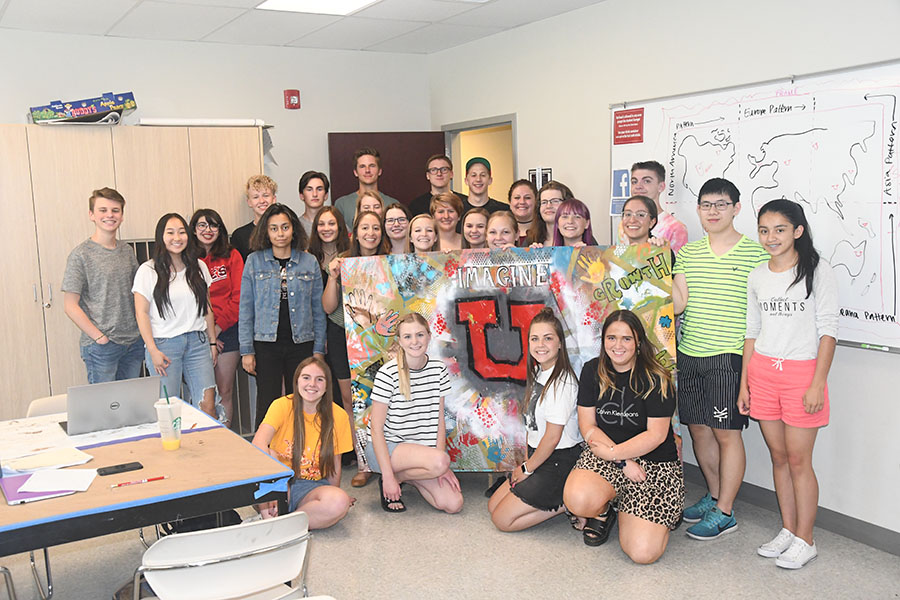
<point x="261" y="300"/>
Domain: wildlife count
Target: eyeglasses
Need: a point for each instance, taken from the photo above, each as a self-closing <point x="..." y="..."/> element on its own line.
<point x="396" y="221"/>
<point x="441" y="170"/>
<point x="551" y="202"/>
<point x="639" y="214"/>
<point x="211" y="226"/>
<point x="720" y="205"/>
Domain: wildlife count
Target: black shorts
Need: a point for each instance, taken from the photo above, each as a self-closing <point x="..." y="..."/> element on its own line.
<point x="543" y="489"/>
<point x="658" y="499"/>
<point x="229" y="337"/>
<point x="336" y="351"/>
<point x="708" y="389"/>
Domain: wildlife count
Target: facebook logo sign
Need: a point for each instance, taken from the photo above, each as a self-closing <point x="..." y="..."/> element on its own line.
<point x="621" y="183"/>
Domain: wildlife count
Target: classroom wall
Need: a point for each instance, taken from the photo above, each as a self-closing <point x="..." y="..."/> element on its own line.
<point x="340" y="90"/>
<point x="559" y="77"/>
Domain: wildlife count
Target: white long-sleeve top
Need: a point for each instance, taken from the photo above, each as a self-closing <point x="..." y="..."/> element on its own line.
<point x="783" y="321"/>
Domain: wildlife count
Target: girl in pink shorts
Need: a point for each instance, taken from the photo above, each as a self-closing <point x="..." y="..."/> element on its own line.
<point x="792" y="320"/>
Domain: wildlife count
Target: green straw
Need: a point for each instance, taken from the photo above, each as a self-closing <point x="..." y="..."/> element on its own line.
<point x="167" y="394"/>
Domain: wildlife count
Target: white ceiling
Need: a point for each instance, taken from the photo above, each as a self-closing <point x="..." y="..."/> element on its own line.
<point x="406" y="26"/>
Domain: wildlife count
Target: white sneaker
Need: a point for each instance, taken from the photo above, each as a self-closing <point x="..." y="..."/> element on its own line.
<point x="779" y="544"/>
<point x="797" y="555"/>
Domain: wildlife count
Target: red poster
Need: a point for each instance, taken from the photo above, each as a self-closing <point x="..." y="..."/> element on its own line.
<point x="628" y="126"/>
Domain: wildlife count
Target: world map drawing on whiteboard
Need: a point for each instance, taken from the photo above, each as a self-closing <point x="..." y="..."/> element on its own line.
<point x="828" y="144"/>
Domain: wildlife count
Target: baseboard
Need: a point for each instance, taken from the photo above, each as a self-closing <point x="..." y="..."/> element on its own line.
<point x="850" y="527"/>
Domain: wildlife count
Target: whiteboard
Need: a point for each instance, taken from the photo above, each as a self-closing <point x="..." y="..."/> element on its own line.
<point x="829" y="142"/>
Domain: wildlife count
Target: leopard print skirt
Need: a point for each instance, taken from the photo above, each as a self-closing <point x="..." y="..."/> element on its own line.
<point x="658" y="499"/>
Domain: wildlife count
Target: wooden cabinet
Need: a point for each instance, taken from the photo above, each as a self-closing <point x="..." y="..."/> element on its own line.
<point x="47" y="174"/>
<point x="24" y="373"/>
<point x="153" y="173"/>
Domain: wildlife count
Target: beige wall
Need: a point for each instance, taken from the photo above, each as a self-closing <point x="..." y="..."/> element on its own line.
<point x="621" y="50"/>
<point x="494" y="144"/>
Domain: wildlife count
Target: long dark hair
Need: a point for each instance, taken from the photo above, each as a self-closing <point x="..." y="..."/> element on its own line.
<point x="537" y="233"/>
<point x="324" y="419"/>
<point x="646" y="371"/>
<point x="807" y="255"/>
<point x="562" y="367"/>
<point x="355" y="250"/>
<point x="221" y="248"/>
<point x="260" y="238"/>
<point x="341" y="242"/>
<point x="162" y="264"/>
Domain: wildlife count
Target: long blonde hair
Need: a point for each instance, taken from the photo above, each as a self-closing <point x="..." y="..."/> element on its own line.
<point x="647" y="372"/>
<point x="402" y="365"/>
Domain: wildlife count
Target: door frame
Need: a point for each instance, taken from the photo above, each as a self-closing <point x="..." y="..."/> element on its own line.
<point x="452" y="131"/>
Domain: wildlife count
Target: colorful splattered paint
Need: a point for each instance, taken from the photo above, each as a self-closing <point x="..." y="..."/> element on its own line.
<point x="479" y="305"/>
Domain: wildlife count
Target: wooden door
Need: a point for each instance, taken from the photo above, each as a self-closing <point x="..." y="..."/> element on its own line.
<point x="153" y="173"/>
<point x="24" y="373"/>
<point x="403" y="156"/>
<point x="222" y="159"/>
<point x="68" y="162"/>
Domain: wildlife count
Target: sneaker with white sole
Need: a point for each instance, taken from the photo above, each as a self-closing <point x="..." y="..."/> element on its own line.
<point x="797" y="555"/>
<point x="777" y="545"/>
<point x="714" y="524"/>
<point x="696" y="511"/>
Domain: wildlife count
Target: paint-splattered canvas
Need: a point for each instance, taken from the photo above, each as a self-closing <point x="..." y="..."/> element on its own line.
<point x="479" y="305"/>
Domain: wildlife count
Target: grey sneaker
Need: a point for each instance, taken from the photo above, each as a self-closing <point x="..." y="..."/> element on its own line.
<point x="797" y="555"/>
<point x="779" y="544"/>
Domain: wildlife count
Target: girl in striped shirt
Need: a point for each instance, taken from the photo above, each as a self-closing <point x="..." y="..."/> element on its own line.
<point x="407" y="434"/>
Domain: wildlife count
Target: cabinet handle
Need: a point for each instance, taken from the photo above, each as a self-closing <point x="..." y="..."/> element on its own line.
<point x="49" y="301"/>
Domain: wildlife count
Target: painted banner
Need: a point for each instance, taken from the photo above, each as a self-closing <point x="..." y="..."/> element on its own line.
<point x="479" y="304"/>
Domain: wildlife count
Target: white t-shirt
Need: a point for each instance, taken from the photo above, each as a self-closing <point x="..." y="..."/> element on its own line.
<point x="783" y="321"/>
<point x="182" y="316"/>
<point x="557" y="407"/>
<point x="416" y="420"/>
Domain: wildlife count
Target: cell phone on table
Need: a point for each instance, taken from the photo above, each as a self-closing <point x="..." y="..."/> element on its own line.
<point x="124" y="467"/>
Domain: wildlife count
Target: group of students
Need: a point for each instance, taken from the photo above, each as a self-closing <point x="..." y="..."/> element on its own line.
<point x="757" y="339"/>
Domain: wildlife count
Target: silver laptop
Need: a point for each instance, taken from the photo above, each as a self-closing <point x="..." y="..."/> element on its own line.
<point x="111" y="405"/>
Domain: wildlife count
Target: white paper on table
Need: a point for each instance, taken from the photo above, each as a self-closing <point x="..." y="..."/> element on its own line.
<point x="56" y="458"/>
<point x="57" y="480"/>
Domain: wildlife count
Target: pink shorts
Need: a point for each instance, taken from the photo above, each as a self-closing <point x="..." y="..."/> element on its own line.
<point x="776" y="391"/>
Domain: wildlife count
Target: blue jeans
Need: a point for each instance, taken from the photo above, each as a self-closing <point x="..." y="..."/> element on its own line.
<point x="191" y="357"/>
<point x="112" y="361"/>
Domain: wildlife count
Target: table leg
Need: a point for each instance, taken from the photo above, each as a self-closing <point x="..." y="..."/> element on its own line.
<point x="37" y="580"/>
<point x="10" y="588"/>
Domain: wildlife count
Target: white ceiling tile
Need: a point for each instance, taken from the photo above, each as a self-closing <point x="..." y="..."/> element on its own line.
<point x="269" y="28"/>
<point x="415" y="10"/>
<point x="513" y="13"/>
<point x="231" y="3"/>
<point x="434" y="38"/>
<point x="63" y="16"/>
<point x="353" y="33"/>
<point x="164" y="21"/>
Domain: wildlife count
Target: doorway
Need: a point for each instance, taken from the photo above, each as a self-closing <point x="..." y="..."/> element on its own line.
<point x="494" y="138"/>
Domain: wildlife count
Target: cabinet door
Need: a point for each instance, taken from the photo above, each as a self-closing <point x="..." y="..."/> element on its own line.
<point x="153" y="173"/>
<point x="222" y="160"/>
<point x="67" y="164"/>
<point x="24" y="373"/>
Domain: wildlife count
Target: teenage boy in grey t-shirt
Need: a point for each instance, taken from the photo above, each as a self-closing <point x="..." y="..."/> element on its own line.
<point x="98" y="299"/>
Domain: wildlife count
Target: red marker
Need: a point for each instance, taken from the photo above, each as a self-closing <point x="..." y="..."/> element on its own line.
<point x="148" y="480"/>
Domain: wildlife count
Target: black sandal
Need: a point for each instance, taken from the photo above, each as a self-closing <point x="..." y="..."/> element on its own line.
<point x="386" y="504"/>
<point x="596" y="530"/>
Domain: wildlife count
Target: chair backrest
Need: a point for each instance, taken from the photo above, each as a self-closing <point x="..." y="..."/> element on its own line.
<point x="47" y="406"/>
<point x="228" y="562"/>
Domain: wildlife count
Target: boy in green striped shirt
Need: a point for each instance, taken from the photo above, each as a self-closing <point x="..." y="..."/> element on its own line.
<point x="710" y="288"/>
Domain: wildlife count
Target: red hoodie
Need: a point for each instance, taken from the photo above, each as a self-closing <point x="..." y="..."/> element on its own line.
<point x="225" y="289"/>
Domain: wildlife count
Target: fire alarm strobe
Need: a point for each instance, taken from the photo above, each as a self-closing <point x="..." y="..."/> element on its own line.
<point x="291" y="99"/>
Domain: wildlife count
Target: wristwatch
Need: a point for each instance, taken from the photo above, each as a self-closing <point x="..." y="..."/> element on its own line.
<point x="619" y="463"/>
<point x="525" y="470"/>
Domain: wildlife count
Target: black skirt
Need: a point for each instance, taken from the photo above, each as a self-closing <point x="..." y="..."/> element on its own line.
<point x="543" y="489"/>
